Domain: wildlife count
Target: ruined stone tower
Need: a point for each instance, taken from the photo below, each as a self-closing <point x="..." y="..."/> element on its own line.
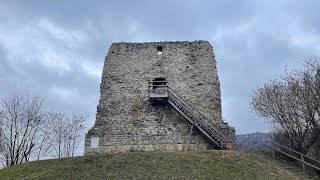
<point x="189" y="118"/>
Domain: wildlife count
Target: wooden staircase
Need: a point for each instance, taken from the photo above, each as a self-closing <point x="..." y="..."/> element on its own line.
<point x="208" y="128"/>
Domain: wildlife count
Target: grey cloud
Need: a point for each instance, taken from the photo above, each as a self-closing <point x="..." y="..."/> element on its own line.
<point x="252" y="42"/>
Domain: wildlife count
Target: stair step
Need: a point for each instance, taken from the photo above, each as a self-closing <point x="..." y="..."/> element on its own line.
<point x="185" y="111"/>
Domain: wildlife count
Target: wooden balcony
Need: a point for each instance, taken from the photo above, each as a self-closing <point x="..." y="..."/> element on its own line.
<point x="158" y="91"/>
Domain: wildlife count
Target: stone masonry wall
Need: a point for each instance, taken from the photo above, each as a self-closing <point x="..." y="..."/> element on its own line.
<point x="126" y="120"/>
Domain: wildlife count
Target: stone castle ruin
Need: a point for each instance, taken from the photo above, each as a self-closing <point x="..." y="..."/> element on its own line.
<point x="159" y="96"/>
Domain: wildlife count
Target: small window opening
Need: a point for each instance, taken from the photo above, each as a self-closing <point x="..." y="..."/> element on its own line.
<point x="159" y="50"/>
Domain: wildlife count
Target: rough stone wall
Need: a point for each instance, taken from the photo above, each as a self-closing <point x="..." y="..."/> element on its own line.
<point x="126" y="120"/>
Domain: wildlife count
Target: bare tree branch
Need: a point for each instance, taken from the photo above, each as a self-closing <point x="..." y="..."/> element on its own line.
<point x="292" y="104"/>
<point x="21" y="118"/>
<point x="29" y="132"/>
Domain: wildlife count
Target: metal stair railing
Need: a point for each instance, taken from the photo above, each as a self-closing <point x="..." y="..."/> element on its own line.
<point x="302" y="157"/>
<point x="209" y="129"/>
<point x="199" y="115"/>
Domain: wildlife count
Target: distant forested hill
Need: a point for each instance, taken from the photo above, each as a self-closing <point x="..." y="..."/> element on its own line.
<point x="253" y="141"/>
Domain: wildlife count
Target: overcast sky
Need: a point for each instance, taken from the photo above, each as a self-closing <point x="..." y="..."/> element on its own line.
<point x="57" y="48"/>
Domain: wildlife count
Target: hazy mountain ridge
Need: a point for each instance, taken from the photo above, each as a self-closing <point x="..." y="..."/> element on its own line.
<point x="253" y="141"/>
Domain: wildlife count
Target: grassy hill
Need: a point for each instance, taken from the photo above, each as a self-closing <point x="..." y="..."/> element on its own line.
<point x="152" y="165"/>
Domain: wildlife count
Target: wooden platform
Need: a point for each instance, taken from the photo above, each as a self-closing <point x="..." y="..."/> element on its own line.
<point x="158" y="91"/>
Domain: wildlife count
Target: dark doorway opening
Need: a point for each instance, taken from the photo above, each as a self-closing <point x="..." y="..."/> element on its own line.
<point x="159" y="50"/>
<point x="159" y="83"/>
<point x="158" y="91"/>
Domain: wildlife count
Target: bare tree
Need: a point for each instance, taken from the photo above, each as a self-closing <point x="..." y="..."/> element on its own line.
<point x="21" y="118"/>
<point x="75" y="131"/>
<point x="292" y="104"/>
<point x="66" y="133"/>
<point x="56" y="130"/>
<point x="29" y="132"/>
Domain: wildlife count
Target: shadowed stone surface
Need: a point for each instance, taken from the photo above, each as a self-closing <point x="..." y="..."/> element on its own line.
<point x="127" y="121"/>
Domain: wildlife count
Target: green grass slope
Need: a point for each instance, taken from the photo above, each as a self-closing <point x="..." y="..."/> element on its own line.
<point x="152" y="165"/>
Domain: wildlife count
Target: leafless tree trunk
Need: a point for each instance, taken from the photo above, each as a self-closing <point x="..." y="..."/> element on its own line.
<point x="292" y="104"/>
<point x="28" y="132"/>
<point x="57" y="131"/>
<point x="21" y="118"/>
<point x="66" y="133"/>
<point x="75" y="128"/>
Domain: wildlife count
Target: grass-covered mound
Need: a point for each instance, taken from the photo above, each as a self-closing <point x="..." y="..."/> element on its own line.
<point x="152" y="165"/>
